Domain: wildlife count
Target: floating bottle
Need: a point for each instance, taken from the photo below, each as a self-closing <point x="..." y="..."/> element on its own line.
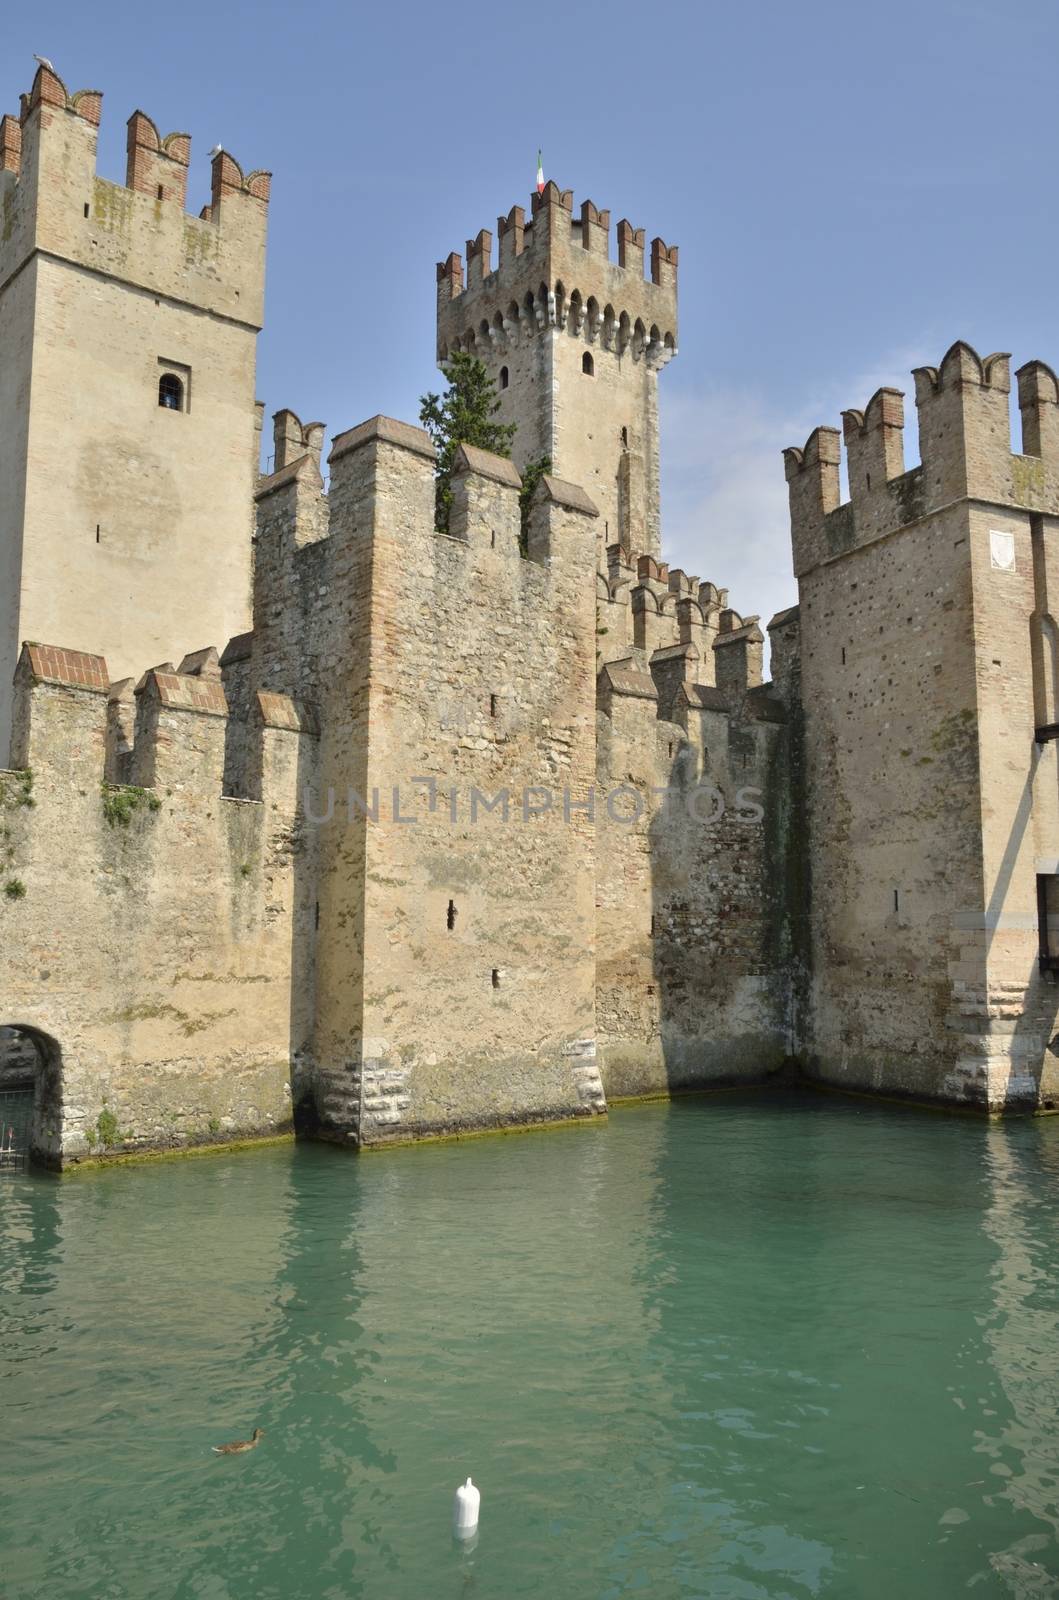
<point x="465" y="1511"/>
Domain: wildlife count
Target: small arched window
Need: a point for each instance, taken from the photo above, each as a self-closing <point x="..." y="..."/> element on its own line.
<point x="170" y="392"/>
<point x="503" y="377"/>
<point x="587" y="364"/>
<point x="625" y="438"/>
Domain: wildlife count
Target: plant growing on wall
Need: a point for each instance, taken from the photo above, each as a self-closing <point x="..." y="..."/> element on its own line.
<point x="535" y="471"/>
<point x="121" y="800"/>
<point x="462" y="415"/>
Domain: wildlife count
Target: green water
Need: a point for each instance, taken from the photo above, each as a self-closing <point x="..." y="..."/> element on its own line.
<point x="730" y="1349"/>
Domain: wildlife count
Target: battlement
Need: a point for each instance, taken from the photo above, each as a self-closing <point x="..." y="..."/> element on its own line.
<point x="166" y="734"/>
<point x="52" y="200"/>
<point x="555" y="271"/>
<point x="965" y="446"/>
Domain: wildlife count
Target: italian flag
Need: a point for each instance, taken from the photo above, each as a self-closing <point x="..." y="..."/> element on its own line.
<point x="540" y="174"/>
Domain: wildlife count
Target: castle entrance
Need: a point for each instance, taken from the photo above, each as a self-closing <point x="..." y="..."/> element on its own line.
<point x="29" y="1094"/>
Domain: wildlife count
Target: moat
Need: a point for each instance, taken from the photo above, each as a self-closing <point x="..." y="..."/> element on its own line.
<point x="739" y="1348"/>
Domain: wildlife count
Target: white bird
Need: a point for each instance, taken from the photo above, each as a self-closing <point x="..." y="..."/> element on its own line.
<point x="45" y="63"/>
<point x="218" y="150"/>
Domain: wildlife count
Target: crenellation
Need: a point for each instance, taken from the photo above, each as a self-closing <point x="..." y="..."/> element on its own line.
<point x="874" y="442"/>
<point x="121" y="731"/>
<point x="485" y="502"/>
<point x="631" y="247"/>
<point x="663" y="264"/>
<point x="738" y="655"/>
<point x="479" y="258"/>
<point x="60" y="712"/>
<point x="155" y="166"/>
<point x="595" y="229"/>
<point x="1038" y="391"/>
<point x="292" y="439"/>
<point x="511" y="231"/>
<point x="10" y="144"/>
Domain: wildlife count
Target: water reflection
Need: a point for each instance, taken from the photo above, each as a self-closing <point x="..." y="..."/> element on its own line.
<point x="765" y="1350"/>
<point x="1018" y="1440"/>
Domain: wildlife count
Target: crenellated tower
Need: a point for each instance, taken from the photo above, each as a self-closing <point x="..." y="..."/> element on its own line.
<point x="128" y="427"/>
<point x="574" y="342"/>
<point x="929" y="669"/>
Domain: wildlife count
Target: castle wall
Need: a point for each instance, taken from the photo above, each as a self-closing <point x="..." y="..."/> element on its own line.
<point x="456" y="954"/>
<point x="930" y="808"/>
<point x="110" y="287"/>
<point x="153" y="937"/>
<point x="16" y="324"/>
<point x="693" y="965"/>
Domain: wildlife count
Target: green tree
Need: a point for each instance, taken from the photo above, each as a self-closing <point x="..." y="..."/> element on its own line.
<point x="535" y="471"/>
<point x="462" y="415"/>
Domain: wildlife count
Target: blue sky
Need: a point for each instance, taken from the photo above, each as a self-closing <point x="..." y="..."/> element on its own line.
<point x="852" y="187"/>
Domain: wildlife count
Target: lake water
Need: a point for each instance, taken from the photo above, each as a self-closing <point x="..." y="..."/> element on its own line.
<point x="736" y="1348"/>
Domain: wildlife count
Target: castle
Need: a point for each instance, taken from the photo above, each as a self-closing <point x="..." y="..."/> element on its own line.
<point x="320" y="817"/>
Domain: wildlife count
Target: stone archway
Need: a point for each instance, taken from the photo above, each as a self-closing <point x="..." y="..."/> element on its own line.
<point x="31" y="1089"/>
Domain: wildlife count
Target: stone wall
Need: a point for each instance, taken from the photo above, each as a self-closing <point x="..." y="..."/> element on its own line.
<point x="157" y="940"/>
<point x="456" y="957"/>
<point x="930" y="807"/>
<point x="554" y="305"/>
<point x="694" y="963"/>
<point x="110" y="501"/>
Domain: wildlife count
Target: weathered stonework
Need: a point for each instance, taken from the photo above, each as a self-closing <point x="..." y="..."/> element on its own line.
<point x="487" y="827"/>
<point x="928" y="661"/>
<point x="574" y="342"/>
<point x="109" y="500"/>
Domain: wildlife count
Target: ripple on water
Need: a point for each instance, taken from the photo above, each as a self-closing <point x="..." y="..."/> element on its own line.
<point x="767" y="1349"/>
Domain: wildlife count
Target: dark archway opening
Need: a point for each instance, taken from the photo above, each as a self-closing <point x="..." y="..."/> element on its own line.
<point x="30" y="1098"/>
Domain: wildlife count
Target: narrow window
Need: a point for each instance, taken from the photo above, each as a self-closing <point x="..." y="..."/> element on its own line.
<point x="897" y="901"/>
<point x="160" y="194"/>
<point x="843" y="655"/>
<point x="587" y="364"/>
<point x="316" y="916"/>
<point x="492" y="540"/>
<point x="170" y="392"/>
<point x="867" y="476"/>
<point x="652" y="925"/>
<point x="86" y="208"/>
<point x="492" y="705"/>
<point x="1047" y="913"/>
<point x="496" y="977"/>
<point x="97" y="532"/>
<point x="450" y="916"/>
<point x="625" y="438"/>
<point x="503" y="378"/>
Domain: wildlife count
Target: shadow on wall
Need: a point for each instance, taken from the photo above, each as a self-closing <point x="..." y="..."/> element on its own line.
<point x="31" y="1062"/>
<point x="1033" y="1042"/>
<point x="729" y="911"/>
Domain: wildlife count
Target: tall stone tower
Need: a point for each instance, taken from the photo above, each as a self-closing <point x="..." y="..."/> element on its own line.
<point x="128" y="428"/>
<point x="574" y="343"/>
<point x="930" y="686"/>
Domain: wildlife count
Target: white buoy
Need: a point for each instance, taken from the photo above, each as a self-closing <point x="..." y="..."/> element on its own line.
<point x="465" y="1511"/>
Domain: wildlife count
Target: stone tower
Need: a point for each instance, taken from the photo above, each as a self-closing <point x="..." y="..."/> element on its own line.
<point x="574" y="343"/>
<point x="128" y="428"/>
<point x="929" y="671"/>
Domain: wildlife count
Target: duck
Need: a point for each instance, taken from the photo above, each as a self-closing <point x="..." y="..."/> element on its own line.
<point x="237" y="1446"/>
